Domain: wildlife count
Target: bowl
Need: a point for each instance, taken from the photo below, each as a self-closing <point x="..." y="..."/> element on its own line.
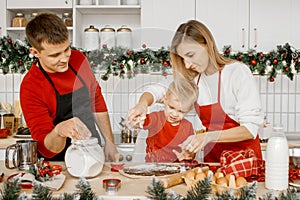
<point x="294" y="155"/>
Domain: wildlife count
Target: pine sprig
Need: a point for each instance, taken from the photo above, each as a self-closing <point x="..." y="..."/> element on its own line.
<point x="202" y="190"/>
<point x="84" y="190"/>
<point x="11" y="190"/>
<point x="157" y="191"/>
<point x="41" y="192"/>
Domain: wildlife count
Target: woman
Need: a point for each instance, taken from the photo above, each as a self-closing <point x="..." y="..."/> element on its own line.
<point x="228" y="104"/>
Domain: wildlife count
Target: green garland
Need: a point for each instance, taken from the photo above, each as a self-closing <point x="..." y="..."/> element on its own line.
<point x="122" y="62"/>
<point x="156" y="191"/>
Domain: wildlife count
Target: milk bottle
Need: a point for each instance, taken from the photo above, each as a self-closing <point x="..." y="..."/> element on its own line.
<point x="277" y="160"/>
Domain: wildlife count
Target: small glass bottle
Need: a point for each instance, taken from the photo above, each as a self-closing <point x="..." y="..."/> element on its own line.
<point x="19" y="20"/>
<point x="277" y="160"/>
<point x="67" y="17"/>
<point x="84" y="158"/>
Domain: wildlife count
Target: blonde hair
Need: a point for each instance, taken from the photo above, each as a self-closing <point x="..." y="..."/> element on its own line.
<point x="185" y="91"/>
<point x="194" y="30"/>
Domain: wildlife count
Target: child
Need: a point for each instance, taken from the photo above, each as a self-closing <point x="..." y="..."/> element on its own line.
<point x="168" y="128"/>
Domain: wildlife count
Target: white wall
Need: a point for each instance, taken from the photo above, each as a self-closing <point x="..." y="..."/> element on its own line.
<point x="279" y="99"/>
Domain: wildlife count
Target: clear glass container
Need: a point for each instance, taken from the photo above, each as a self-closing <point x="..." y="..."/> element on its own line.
<point x="19" y="20"/>
<point x="84" y="158"/>
<point x="68" y="20"/>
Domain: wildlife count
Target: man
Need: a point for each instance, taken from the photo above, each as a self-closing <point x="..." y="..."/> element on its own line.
<point x="60" y="96"/>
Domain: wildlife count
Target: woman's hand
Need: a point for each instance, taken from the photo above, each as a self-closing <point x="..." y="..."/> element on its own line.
<point x="136" y="115"/>
<point x="194" y="143"/>
<point x="73" y="128"/>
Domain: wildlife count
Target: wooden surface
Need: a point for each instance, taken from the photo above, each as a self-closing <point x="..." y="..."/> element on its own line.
<point x="129" y="187"/>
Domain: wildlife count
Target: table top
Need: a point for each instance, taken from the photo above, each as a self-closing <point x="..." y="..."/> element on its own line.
<point x="130" y="187"/>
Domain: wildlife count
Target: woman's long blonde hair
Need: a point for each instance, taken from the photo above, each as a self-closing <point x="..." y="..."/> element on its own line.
<point x="194" y="30"/>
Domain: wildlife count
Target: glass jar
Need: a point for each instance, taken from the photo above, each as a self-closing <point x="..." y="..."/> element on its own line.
<point x="84" y="158"/>
<point x="19" y="20"/>
<point x="32" y="15"/>
<point x="67" y="17"/>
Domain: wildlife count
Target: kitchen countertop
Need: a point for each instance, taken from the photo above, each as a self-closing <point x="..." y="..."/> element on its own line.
<point x="133" y="188"/>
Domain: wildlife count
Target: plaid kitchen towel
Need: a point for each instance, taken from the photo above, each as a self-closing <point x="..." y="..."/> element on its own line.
<point x="241" y="163"/>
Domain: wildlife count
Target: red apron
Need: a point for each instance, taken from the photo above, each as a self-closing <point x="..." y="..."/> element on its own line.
<point x="214" y="118"/>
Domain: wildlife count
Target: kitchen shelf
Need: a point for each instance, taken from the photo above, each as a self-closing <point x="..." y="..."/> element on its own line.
<point x="116" y="10"/>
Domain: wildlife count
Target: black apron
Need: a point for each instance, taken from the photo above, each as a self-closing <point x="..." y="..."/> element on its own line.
<point x="73" y="104"/>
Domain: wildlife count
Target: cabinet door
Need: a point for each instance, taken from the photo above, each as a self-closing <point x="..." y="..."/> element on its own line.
<point x="272" y="23"/>
<point x="227" y="20"/>
<point x="13" y="4"/>
<point x="161" y="18"/>
<point x="2" y="17"/>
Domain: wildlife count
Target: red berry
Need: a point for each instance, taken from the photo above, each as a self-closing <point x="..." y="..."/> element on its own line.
<point x="227" y="51"/>
<point x="253" y="62"/>
<point x="144" y="46"/>
<point x="104" y="46"/>
<point x="166" y="63"/>
<point x="122" y="66"/>
<point x="142" y="61"/>
<point x="272" y="79"/>
<point x="9" y="41"/>
<point x="240" y="57"/>
<point x="165" y="74"/>
<point x="275" y="61"/>
<point x="296" y="60"/>
<point x="261" y="54"/>
<point x="21" y="63"/>
<point x="287" y="69"/>
<point x="128" y="52"/>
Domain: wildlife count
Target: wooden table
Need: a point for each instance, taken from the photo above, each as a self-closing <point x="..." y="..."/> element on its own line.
<point x="130" y="188"/>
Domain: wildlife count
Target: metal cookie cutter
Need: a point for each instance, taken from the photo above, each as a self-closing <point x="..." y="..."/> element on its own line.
<point x="111" y="185"/>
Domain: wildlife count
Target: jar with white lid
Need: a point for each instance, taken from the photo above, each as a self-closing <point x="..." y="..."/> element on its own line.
<point x="91" y="38"/>
<point x="84" y="158"/>
<point x="107" y="37"/>
<point x="124" y="37"/>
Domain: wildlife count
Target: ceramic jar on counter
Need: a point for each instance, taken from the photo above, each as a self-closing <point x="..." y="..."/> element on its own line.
<point x="19" y="20"/>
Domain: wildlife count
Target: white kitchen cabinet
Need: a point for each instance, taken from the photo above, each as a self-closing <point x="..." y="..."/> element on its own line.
<point x="100" y="16"/>
<point x="251" y="24"/>
<point x="2" y="19"/>
<point x="161" y="18"/>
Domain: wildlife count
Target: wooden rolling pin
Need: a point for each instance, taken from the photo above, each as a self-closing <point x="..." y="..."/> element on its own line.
<point x="175" y="179"/>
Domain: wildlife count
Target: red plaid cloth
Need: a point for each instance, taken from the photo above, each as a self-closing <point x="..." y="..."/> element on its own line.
<point x="241" y="163"/>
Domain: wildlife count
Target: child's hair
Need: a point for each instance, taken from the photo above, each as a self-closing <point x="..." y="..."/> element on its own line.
<point x="46" y="27"/>
<point x="185" y="91"/>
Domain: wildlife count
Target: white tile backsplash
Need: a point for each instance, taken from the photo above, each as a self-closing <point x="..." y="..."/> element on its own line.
<point x="280" y="99"/>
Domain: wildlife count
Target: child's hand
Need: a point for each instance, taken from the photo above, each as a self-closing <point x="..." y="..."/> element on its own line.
<point x="184" y="155"/>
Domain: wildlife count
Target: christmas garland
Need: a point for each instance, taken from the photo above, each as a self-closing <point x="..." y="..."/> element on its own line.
<point x="155" y="191"/>
<point x="122" y="62"/>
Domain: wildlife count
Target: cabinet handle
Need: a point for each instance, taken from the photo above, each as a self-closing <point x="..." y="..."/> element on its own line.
<point x="243" y="37"/>
<point x="255" y="37"/>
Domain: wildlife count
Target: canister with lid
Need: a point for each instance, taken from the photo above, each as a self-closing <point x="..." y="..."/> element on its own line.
<point x="19" y="20"/>
<point x="84" y="158"/>
<point x="86" y="2"/>
<point x="124" y="37"/>
<point x="91" y="38"/>
<point x="67" y="17"/>
<point x="32" y="16"/>
<point x="107" y="37"/>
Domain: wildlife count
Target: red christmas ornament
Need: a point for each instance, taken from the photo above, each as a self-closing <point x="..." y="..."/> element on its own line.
<point x="144" y="46"/>
<point x="166" y="63"/>
<point x="261" y="54"/>
<point x="296" y="60"/>
<point x="271" y="79"/>
<point x="142" y="61"/>
<point x="115" y="59"/>
<point x="165" y="74"/>
<point x="9" y="41"/>
<point x="104" y="46"/>
<point x="128" y="52"/>
<point x="240" y="57"/>
<point x="122" y="72"/>
<point x="287" y="69"/>
<point x="21" y="63"/>
<point x="275" y="61"/>
<point x="122" y="66"/>
<point x="227" y="51"/>
<point x="253" y="62"/>
<point x="105" y="78"/>
<point x="129" y="72"/>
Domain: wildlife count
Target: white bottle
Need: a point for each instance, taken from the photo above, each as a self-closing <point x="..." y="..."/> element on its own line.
<point x="277" y="160"/>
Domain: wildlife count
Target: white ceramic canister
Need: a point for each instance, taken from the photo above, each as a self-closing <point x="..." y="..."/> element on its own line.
<point x="124" y="37"/>
<point x="107" y="37"/>
<point x="84" y="158"/>
<point x="277" y="160"/>
<point x="109" y="2"/>
<point x="91" y="38"/>
<point x="130" y="2"/>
